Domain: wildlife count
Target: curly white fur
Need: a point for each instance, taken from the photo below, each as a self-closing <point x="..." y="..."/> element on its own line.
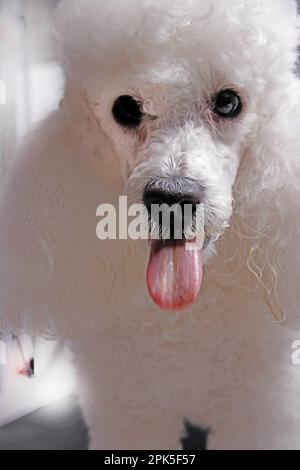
<point x="224" y="364"/>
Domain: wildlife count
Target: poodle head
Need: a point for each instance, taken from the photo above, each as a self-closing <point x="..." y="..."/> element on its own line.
<point x="195" y="98"/>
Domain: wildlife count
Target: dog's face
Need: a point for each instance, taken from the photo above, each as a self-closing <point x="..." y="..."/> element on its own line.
<point x="182" y="139"/>
<point x="179" y="138"/>
<point x="179" y="100"/>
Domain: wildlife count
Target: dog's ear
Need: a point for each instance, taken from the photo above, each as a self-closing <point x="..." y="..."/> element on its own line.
<point x="267" y="195"/>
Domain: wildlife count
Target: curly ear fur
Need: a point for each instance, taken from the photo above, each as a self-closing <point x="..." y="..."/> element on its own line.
<point x="268" y="192"/>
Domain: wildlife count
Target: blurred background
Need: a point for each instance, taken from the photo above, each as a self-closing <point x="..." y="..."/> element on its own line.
<point x="32" y="79"/>
<point x="38" y="402"/>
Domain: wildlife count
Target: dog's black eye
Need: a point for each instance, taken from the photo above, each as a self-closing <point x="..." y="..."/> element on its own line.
<point x="127" y="111"/>
<point x="227" y="104"/>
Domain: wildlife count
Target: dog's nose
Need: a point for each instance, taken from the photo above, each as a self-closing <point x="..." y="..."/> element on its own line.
<point x="172" y="191"/>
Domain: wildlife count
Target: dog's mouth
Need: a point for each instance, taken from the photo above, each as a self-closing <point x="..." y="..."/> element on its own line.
<point x="176" y="217"/>
<point x="174" y="273"/>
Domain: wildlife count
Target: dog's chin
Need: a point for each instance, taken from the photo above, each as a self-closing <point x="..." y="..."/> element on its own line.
<point x="174" y="273"/>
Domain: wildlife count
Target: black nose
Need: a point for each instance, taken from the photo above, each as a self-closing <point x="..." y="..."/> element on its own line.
<point x="172" y="191"/>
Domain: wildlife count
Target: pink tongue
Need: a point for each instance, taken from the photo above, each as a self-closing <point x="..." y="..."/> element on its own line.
<point x="174" y="275"/>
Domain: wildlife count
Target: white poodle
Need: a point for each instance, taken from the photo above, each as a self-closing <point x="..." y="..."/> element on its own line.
<point x="168" y="101"/>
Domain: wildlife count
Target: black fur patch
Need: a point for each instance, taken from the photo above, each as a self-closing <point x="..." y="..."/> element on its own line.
<point x="195" y="437"/>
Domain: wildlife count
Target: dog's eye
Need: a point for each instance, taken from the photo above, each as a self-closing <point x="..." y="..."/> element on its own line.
<point x="127" y="112"/>
<point x="227" y="104"/>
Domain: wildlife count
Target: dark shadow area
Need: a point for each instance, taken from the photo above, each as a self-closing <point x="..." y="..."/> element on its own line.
<point x="59" y="426"/>
<point x="195" y="437"/>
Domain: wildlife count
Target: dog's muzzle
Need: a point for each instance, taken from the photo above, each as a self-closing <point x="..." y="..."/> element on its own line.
<point x="174" y="273"/>
<point x="174" y="192"/>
